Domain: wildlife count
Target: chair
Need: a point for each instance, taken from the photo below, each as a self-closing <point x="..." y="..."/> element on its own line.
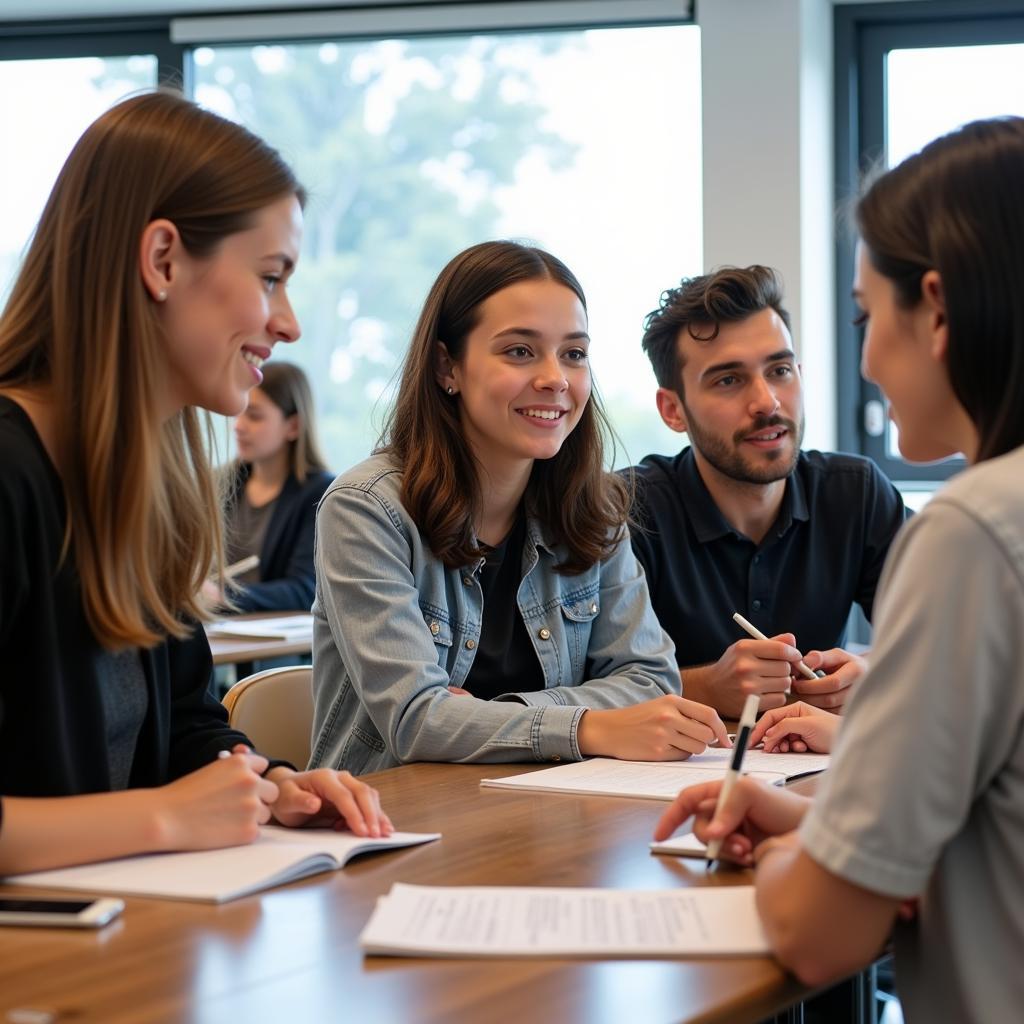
<point x="274" y="709"/>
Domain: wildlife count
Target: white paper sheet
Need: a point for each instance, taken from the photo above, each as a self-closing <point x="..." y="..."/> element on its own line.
<point x="516" y="922"/>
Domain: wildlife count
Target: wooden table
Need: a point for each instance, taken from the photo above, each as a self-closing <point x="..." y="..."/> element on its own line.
<point x="291" y="955"/>
<point x="231" y="652"/>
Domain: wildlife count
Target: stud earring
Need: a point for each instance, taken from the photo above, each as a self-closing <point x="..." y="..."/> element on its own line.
<point x="451" y="390"/>
<point x="161" y="296"/>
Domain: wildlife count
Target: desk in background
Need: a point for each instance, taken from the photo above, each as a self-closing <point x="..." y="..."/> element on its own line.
<point x="292" y="955"/>
<point x="229" y="652"/>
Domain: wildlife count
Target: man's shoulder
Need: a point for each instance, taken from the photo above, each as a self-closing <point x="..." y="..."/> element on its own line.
<point x="658" y="474"/>
<point x="840" y="471"/>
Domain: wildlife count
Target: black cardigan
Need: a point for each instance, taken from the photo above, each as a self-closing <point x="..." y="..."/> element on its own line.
<point x="287" y="578"/>
<point x="52" y="733"/>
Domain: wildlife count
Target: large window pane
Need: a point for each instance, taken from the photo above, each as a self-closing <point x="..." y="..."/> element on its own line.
<point x="64" y="95"/>
<point x="931" y="91"/>
<point x="586" y="142"/>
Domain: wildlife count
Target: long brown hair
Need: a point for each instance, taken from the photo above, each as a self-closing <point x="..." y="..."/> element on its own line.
<point x="583" y="506"/>
<point x="957" y="207"/>
<point x="142" y="509"/>
<point x="288" y="388"/>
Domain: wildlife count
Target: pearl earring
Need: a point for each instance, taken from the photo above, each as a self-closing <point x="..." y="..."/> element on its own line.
<point x="451" y="390"/>
<point x="161" y="296"/>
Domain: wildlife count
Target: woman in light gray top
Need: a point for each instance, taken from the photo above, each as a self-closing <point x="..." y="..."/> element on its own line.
<point x="924" y="801"/>
<point x="477" y="598"/>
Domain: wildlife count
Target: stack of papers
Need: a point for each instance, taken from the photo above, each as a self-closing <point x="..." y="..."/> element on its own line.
<point x="414" y="920"/>
<point x="279" y="855"/>
<point x="659" y="780"/>
<point x="284" y="627"/>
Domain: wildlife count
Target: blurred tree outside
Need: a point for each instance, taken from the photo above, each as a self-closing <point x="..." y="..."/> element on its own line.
<point x="402" y="145"/>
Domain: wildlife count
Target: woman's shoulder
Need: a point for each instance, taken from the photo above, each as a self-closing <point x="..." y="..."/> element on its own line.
<point x="986" y="498"/>
<point x="379" y="474"/>
<point x="23" y="464"/>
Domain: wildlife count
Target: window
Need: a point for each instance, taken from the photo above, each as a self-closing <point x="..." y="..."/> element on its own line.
<point x="905" y="74"/>
<point x="66" y="94"/>
<point x="585" y="142"/>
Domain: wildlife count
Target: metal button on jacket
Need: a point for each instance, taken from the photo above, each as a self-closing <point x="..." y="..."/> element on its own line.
<point x="544" y="634"/>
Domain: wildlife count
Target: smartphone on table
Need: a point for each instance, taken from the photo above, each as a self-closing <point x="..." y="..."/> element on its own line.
<point x="59" y="913"/>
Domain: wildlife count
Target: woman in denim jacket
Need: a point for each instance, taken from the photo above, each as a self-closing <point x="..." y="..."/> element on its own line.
<point x="477" y="598"/>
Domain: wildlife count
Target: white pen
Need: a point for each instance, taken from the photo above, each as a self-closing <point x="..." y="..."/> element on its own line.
<point x="735" y="766"/>
<point x="242" y="565"/>
<point x="808" y="673"/>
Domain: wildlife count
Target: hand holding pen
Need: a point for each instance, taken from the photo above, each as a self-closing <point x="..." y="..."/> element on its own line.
<point x="739" y="749"/>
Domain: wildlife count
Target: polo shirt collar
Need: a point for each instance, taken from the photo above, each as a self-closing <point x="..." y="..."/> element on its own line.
<point x="708" y="522"/>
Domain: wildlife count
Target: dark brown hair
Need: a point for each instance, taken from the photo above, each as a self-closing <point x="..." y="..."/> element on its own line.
<point x="701" y="305"/>
<point x="582" y="505"/>
<point x="142" y="509"/>
<point x="288" y="388"/>
<point x="957" y="207"/>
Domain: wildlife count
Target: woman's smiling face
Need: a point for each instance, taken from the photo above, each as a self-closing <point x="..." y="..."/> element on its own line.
<point x="524" y="377"/>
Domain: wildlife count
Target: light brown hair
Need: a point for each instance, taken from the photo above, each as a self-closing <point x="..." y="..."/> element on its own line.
<point x="288" y="388"/>
<point x="583" y="506"/>
<point x="143" y="520"/>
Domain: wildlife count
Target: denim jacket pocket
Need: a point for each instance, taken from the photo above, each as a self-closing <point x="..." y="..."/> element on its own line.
<point x="441" y="631"/>
<point x="579" y="614"/>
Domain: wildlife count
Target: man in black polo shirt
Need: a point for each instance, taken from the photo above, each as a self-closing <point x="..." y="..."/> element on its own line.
<point x="744" y="521"/>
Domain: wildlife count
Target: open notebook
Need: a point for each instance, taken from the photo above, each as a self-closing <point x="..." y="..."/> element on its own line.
<point x="279" y="855"/>
<point x="282" y="627"/>
<point x="468" y="921"/>
<point x="658" y="780"/>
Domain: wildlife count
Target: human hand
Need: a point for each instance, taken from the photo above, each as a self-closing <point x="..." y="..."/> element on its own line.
<point x="668" y="728"/>
<point x="328" y="797"/>
<point x="221" y="804"/>
<point x="212" y="594"/>
<point x="752" y="812"/>
<point x="764" y="667"/>
<point x="798" y="728"/>
<point x="832" y="691"/>
<point x="458" y="691"/>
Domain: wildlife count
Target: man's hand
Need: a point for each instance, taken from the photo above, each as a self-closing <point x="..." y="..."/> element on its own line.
<point x="832" y="691"/>
<point x="764" y="667"/>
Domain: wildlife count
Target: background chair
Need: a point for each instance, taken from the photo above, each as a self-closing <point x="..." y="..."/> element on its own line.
<point x="274" y="709"/>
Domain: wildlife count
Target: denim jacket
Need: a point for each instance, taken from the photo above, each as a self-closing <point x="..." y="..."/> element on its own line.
<point x="394" y="628"/>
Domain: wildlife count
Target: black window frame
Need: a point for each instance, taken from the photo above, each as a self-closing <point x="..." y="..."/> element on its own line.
<point x="864" y="35"/>
<point x="99" y="37"/>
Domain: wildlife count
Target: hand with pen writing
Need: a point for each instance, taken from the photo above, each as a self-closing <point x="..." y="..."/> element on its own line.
<point x="751" y="813"/>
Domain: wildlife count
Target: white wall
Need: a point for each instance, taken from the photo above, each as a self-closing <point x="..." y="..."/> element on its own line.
<point x="767" y="111"/>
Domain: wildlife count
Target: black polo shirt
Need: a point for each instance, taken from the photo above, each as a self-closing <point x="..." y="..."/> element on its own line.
<point x="825" y="551"/>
